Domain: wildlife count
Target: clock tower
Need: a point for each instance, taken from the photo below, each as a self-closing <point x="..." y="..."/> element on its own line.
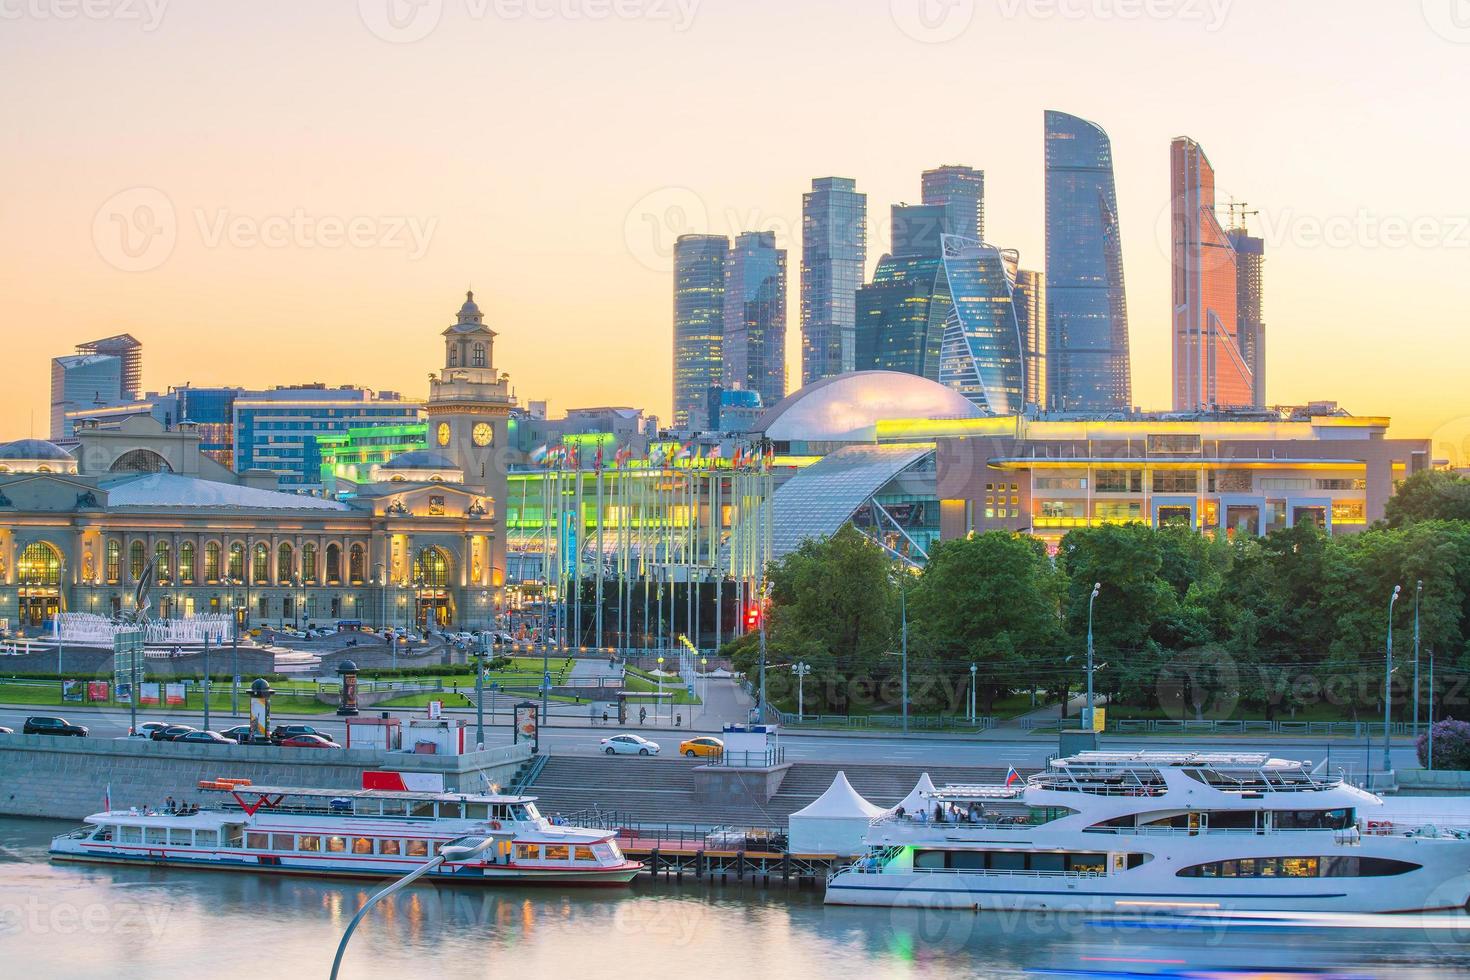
<point x="469" y="411"/>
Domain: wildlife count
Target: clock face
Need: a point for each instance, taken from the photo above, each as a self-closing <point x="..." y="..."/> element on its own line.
<point x="443" y="433"/>
<point x="483" y="434"/>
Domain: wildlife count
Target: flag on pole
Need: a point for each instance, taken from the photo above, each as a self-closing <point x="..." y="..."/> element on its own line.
<point x="107" y="799"/>
<point x="1012" y="776"/>
<point x="718" y="452"/>
<point x="597" y="460"/>
<point x="538" y="455"/>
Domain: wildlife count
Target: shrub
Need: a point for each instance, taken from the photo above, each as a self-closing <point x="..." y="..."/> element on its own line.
<point x="1451" y="745"/>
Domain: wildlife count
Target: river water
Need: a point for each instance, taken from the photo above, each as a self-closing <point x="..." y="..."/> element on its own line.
<point x="73" y="921"/>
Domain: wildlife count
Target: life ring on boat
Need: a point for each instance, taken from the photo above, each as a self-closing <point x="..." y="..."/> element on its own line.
<point x="495" y="825"/>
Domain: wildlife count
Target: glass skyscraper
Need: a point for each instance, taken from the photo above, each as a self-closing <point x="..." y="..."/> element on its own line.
<point x="1210" y="371"/>
<point x="1030" y="297"/>
<point x="699" y="323"/>
<point x="755" y="316"/>
<point x="986" y="356"/>
<point x="1250" y="330"/>
<point x="834" y="253"/>
<point x="1087" y="313"/>
<point x="961" y="192"/>
<point x="901" y="314"/>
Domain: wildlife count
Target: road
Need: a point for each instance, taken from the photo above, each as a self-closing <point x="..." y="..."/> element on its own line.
<point x="995" y="749"/>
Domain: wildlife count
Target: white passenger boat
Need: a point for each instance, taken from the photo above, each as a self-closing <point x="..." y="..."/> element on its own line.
<point x="352" y="833"/>
<point x="1138" y="831"/>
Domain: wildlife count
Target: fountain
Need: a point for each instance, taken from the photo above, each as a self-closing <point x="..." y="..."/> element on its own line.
<point x="92" y="630"/>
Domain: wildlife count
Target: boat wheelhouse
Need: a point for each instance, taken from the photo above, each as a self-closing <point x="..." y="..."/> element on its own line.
<point x="1114" y="831"/>
<point x="352" y="833"/>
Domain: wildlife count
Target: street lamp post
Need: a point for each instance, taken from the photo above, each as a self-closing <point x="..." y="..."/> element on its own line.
<point x="903" y="616"/>
<point x="974" y="701"/>
<point x="480" y="697"/>
<point x="235" y="648"/>
<point x="457" y="853"/>
<point x="801" y="669"/>
<point x="763" y="650"/>
<point x="660" y="690"/>
<point x="1387" y="682"/>
<point x="206" y="680"/>
<point x="1087" y="722"/>
<point x="1418" y="591"/>
<point x="60" y="599"/>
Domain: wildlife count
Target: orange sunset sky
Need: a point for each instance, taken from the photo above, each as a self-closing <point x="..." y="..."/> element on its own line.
<point x="283" y="191"/>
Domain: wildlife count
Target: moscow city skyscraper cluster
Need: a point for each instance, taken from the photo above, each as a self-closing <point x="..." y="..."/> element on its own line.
<point x="947" y="304"/>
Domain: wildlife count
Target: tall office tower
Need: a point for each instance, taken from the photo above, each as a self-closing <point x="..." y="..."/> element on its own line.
<point x="79" y="382"/>
<point x="699" y="323"/>
<point x="1030" y="296"/>
<point x="755" y="316"/>
<point x="985" y="357"/>
<point x="1209" y="370"/>
<point x="901" y="314"/>
<point x="130" y="350"/>
<point x="834" y="255"/>
<point x="1086" y="310"/>
<point x="961" y="192"/>
<point x="1250" y="329"/>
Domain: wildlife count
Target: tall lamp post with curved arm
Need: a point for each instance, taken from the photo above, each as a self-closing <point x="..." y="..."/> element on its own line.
<point x="1387" y="684"/>
<point x="1087" y="722"/>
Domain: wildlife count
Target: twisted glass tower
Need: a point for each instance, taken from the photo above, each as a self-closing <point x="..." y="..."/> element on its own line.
<point x="984" y="356"/>
<point x="1087" y="315"/>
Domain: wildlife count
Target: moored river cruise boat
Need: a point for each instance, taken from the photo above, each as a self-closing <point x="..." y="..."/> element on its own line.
<point x="353" y="833"/>
<point x="1152" y="831"/>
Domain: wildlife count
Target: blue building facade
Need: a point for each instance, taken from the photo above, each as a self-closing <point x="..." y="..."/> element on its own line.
<point x="277" y="429"/>
<point x="834" y="255"/>
<point x="755" y="316"/>
<point x="984" y="351"/>
<point x="1087" y="313"/>
<point x="699" y="322"/>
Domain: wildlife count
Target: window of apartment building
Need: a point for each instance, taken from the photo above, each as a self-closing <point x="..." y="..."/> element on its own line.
<point x="1060" y="483"/>
<point x="1118" y="481"/>
<point x="1231" y="481"/>
<point x="1340" y="484"/>
<point x="1349" y="512"/>
<point x="1174" y="444"/>
<point x="1176" y="481"/>
<point x="1285" y="483"/>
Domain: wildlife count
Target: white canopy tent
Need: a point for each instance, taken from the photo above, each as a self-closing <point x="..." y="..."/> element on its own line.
<point x="920" y="798"/>
<point x="834" y="823"/>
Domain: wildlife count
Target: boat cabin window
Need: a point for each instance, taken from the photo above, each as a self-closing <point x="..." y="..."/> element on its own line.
<point x="336" y="845"/>
<point x="362" y="845"/>
<point x="155" y="835"/>
<point x="257" y="842"/>
<point x="130" y="835"/>
<point x="422" y="808"/>
<point x="1313" y="819"/>
<point x="607" y="851"/>
<point x="184" y="838"/>
<point x="1299" y="867"/>
<point x="558" y="852"/>
<point x="103" y="832"/>
<point x="451" y="811"/>
<point x="417" y="848"/>
<point x="206" y="838"/>
<point x="283" y="842"/>
<point x="585" y="854"/>
<point x="1036" y="861"/>
<point x="528" y="852"/>
<point x="389" y="847"/>
<point x="477" y="811"/>
<point x="309" y="842"/>
<point x="395" y="808"/>
<point x="499" y="811"/>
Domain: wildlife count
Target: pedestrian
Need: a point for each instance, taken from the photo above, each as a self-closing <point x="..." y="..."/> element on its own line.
<point x="642" y="716"/>
<point x="604" y="716"/>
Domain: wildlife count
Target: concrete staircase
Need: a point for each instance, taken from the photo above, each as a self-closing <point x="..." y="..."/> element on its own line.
<point x="662" y="791"/>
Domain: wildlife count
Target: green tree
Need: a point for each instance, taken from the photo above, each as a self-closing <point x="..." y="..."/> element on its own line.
<point x="1429" y="495"/>
<point x="993" y="600"/>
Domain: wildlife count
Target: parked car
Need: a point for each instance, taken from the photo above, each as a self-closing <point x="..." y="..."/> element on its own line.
<point x="6" y="731"/>
<point x="240" y="733"/>
<point x="213" y="738"/>
<point x="629" y="744"/>
<point x="702" y="747"/>
<point x="169" y="733"/>
<point x="147" y="729"/>
<point x="283" y="732"/>
<point x="308" y="742"/>
<point x="48" y="725"/>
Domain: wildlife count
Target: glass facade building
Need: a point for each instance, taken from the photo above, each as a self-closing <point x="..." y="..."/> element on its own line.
<point x="961" y="192"/>
<point x="277" y="429"/>
<point x="1031" y="314"/>
<point x="1250" y="325"/>
<point x="699" y="322"/>
<point x="755" y="316"/>
<point x="1087" y="313"/>
<point x="1210" y="371"/>
<point x="834" y="255"/>
<point x="901" y="314"/>
<point x="81" y="381"/>
<point x="984" y="351"/>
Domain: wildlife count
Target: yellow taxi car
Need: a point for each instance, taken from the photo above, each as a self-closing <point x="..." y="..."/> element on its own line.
<point x="703" y="747"/>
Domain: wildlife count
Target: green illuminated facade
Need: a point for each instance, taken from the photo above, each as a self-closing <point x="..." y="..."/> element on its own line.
<point x="350" y="456"/>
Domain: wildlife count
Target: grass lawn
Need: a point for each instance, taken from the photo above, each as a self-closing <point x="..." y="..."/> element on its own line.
<point x="635" y="683"/>
<point x="50" y="694"/>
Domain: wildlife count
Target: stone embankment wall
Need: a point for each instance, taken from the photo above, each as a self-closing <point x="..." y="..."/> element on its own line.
<point x="50" y="776"/>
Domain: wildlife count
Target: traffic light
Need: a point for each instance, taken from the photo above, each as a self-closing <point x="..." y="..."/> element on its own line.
<point x="752" y="617"/>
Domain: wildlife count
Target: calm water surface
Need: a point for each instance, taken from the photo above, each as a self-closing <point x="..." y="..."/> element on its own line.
<point x="64" y="921"/>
